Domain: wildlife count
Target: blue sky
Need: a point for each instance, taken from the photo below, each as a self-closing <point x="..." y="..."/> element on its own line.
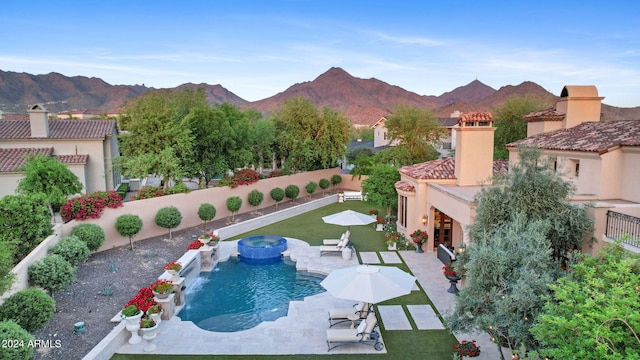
<point x="257" y="49"/>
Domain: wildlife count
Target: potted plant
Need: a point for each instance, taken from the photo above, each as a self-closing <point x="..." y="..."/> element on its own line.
<point x="379" y="224"/>
<point x="162" y="288"/>
<point x="452" y="275"/>
<point x="419" y="237"/>
<point x="373" y="213"/>
<point x="204" y="238"/>
<point x="173" y="268"/>
<point x="147" y="323"/>
<point x="391" y="239"/>
<point x="131" y="311"/>
<point x="131" y="315"/>
<point x="467" y="348"/>
<point x="195" y="245"/>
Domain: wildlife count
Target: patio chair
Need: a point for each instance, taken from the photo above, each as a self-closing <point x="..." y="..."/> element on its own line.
<point x="358" y="311"/>
<point x="334" y="249"/>
<point x="336" y="241"/>
<point x="364" y="334"/>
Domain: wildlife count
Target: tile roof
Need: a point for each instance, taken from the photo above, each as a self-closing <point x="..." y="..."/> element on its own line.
<point x="448" y="122"/>
<point x="59" y="129"/>
<point x="444" y="169"/>
<point x="475" y="116"/>
<point x="405" y="186"/>
<point x="590" y="136"/>
<point x="545" y="115"/>
<point x="13" y="158"/>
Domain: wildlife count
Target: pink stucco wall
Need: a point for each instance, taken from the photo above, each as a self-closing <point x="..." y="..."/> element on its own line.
<point x="189" y="203"/>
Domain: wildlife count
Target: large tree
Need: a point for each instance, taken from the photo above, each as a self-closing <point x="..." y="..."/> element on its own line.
<point x="380" y="186"/>
<point x="48" y="176"/>
<point x="414" y="130"/>
<point x="309" y="138"/>
<point x="157" y="141"/>
<point x="510" y="123"/>
<point x="594" y="312"/>
<point x="222" y="140"/>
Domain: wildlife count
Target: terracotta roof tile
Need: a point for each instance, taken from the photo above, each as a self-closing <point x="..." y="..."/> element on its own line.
<point x="475" y="116"/>
<point x="591" y="136"/>
<point x="59" y="129"/>
<point x="444" y="169"/>
<point x="11" y="159"/>
<point x="434" y="169"/>
<point x="545" y="115"/>
<point x="405" y="186"/>
<point x="73" y="159"/>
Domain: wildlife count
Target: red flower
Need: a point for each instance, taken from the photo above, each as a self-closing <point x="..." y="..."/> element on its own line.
<point x="195" y="245"/>
<point x="143" y="299"/>
<point x="448" y="270"/>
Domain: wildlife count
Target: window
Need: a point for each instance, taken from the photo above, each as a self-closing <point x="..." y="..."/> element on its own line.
<point x="577" y="169"/>
<point x="402" y="211"/>
<point x="384" y="134"/>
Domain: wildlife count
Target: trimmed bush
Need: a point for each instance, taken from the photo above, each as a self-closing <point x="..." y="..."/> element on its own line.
<point x="311" y="188"/>
<point x="277" y="194"/>
<point x="91" y="234"/>
<point x="206" y="212"/>
<point x="72" y="249"/>
<point x="12" y="333"/>
<point x="292" y="191"/>
<point x="336" y="179"/>
<point x="128" y="225"/>
<point x="255" y="197"/>
<point x="52" y="273"/>
<point x="324" y="184"/>
<point x="30" y="308"/>
<point x="234" y="203"/>
<point x="122" y="190"/>
<point x="168" y="217"/>
<point x="179" y="188"/>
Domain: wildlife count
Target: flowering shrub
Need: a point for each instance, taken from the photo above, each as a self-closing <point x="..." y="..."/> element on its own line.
<point x="195" y="245"/>
<point x="380" y="220"/>
<point x="176" y="266"/>
<point x="162" y="286"/>
<point x="148" y="192"/>
<point x="276" y="173"/>
<point x="449" y="271"/>
<point x="467" y="348"/>
<point x="89" y="206"/>
<point x="373" y="212"/>
<point x="143" y="300"/>
<point x="240" y="177"/>
<point x="419" y="236"/>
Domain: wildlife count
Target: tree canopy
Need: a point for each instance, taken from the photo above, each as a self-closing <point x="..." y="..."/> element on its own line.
<point x="380" y="186"/>
<point x="414" y="130"/>
<point x="310" y="138"/>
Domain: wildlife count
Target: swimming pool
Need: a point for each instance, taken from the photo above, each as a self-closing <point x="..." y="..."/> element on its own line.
<point x="239" y="295"/>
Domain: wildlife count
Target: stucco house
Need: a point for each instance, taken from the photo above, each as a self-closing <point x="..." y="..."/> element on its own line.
<point x="87" y="147"/>
<point x="601" y="158"/>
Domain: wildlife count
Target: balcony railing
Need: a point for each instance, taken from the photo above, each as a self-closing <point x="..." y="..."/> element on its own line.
<point x="623" y="227"/>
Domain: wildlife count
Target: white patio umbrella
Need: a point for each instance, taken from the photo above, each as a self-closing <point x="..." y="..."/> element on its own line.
<point x="368" y="283"/>
<point x="348" y="218"/>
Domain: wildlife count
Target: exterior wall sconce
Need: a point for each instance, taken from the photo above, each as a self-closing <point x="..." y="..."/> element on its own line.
<point x="424" y="219"/>
<point x="461" y="248"/>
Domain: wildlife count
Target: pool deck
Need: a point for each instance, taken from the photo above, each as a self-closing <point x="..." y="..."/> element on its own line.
<point x="303" y="330"/>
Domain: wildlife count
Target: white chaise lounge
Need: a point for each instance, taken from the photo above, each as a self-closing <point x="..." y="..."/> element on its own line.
<point x="364" y="334"/>
<point x="340" y="315"/>
<point x="334" y="242"/>
<point x="334" y="249"/>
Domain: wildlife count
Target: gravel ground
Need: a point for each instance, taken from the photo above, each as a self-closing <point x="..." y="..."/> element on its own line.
<point x="107" y="280"/>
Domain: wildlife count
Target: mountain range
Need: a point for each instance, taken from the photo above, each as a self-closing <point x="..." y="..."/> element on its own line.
<point x="363" y="101"/>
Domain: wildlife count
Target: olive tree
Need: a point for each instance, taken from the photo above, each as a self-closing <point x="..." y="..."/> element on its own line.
<point x="380" y="188"/>
<point x="168" y="217"/>
<point x="128" y="225"/>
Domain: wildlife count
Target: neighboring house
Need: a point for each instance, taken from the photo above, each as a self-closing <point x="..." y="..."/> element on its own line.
<point x="447" y="142"/>
<point x="601" y="158"/>
<point x="85" y="114"/>
<point x="87" y="147"/>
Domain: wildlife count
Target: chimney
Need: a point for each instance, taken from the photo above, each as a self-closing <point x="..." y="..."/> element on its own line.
<point x="39" y="120"/>
<point x="474" y="148"/>
<point x="579" y="103"/>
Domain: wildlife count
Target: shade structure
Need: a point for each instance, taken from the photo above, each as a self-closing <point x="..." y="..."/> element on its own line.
<point x="348" y="218"/>
<point x="368" y="283"/>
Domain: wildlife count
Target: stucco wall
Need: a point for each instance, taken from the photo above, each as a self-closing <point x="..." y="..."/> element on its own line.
<point x="189" y="203"/>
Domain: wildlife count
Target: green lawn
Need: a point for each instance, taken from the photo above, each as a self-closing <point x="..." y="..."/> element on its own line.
<point x="405" y="344"/>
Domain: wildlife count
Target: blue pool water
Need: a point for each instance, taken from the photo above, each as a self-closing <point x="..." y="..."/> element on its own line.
<point x="239" y="295"/>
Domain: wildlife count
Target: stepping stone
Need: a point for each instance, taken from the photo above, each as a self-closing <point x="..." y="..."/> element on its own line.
<point x="369" y="257"/>
<point x="390" y="257"/>
<point x="424" y="317"/>
<point x="393" y="317"/>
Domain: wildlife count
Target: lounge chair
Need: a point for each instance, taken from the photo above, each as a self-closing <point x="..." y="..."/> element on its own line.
<point x="364" y="334"/>
<point x="334" y="249"/>
<point x="336" y="241"/>
<point x="358" y="311"/>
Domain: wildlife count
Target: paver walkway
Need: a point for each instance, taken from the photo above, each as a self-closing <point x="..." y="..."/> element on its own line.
<point x="424" y="317"/>
<point x="393" y="317"/>
<point x="369" y="257"/>
<point x="390" y="257"/>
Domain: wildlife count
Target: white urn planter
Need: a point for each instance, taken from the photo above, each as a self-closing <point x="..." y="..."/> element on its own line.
<point x="132" y="323"/>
